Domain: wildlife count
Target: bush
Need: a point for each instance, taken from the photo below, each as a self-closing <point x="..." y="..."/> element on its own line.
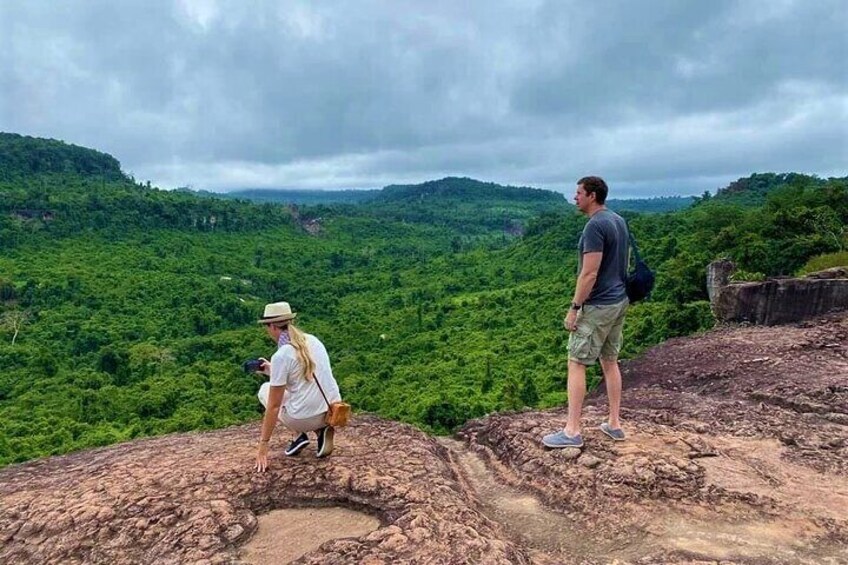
<point x="444" y="416"/>
<point x="746" y="276"/>
<point x="825" y="261"/>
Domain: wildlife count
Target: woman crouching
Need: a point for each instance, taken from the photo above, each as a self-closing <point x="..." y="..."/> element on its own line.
<point x="301" y="385"/>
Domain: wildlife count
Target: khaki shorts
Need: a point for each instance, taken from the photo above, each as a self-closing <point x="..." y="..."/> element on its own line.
<point x="294" y="424"/>
<point x="598" y="333"/>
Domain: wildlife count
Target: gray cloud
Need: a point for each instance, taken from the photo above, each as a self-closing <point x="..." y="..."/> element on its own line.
<point x="660" y="97"/>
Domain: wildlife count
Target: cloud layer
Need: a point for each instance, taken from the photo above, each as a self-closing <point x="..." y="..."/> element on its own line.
<point x="658" y="97"/>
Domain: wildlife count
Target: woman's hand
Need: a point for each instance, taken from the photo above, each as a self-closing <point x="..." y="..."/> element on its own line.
<point x="266" y="367"/>
<point x="262" y="457"/>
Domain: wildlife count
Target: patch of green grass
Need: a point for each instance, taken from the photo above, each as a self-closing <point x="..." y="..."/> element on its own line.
<point x="825" y="261"/>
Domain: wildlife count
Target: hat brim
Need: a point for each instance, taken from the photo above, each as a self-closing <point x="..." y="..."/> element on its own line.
<point x="275" y="319"/>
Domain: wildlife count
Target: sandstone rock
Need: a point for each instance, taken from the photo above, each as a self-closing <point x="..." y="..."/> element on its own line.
<point x="568" y="453"/>
<point x="590" y="461"/>
<point x="776" y="301"/>
<point x="165" y="511"/>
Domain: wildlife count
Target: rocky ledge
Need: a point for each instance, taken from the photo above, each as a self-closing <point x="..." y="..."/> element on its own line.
<point x="777" y="300"/>
<point x="737" y="452"/>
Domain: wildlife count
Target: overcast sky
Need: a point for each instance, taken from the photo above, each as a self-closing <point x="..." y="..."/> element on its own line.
<point x="659" y="97"/>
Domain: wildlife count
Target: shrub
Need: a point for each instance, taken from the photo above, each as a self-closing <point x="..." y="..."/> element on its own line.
<point x="825" y="261"/>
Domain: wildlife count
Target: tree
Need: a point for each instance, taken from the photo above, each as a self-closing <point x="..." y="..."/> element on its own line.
<point x="13" y="321"/>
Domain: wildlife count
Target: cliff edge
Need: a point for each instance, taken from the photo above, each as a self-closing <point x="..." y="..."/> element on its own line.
<point x="737" y="452"/>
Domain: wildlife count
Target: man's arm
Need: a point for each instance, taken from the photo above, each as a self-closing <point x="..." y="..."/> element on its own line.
<point x="588" y="276"/>
<point x="585" y="283"/>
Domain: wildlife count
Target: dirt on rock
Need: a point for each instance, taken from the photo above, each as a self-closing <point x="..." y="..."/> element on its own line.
<point x="737" y="452"/>
<point x="284" y="535"/>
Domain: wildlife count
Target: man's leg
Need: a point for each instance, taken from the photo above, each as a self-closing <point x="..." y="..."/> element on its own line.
<point x="609" y="364"/>
<point x="612" y="376"/>
<point x="576" y="394"/>
<point x="583" y="349"/>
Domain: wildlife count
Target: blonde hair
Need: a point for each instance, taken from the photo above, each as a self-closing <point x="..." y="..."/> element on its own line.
<point x="301" y="347"/>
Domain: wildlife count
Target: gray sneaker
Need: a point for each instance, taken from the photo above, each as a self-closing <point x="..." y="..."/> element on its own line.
<point x="615" y="433"/>
<point x="559" y="439"/>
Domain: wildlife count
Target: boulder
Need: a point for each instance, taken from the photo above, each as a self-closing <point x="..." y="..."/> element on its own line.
<point x="775" y="301"/>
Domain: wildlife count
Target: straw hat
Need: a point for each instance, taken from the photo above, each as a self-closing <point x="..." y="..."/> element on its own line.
<point x="277" y="312"/>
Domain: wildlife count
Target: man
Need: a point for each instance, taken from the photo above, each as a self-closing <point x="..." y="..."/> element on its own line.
<point x="596" y="316"/>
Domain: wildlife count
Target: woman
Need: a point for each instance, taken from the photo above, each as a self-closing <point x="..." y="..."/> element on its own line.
<point x="293" y="396"/>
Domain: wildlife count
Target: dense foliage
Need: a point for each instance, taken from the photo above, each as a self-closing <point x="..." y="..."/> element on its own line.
<point x="126" y="311"/>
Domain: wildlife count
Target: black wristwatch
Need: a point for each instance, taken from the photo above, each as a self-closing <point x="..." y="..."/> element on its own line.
<point x="575" y="306"/>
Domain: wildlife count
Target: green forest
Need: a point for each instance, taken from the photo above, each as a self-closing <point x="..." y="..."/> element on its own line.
<point x="126" y="311"/>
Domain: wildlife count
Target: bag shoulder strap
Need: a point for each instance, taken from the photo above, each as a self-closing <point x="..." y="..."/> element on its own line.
<point x="315" y="377"/>
<point x="634" y="246"/>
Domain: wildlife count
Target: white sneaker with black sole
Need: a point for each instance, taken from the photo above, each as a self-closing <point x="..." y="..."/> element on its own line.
<point x="297" y="445"/>
<point x="325" y="441"/>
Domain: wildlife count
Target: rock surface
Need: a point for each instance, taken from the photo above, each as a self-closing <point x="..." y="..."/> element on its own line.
<point x="194" y="498"/>
<point x="776" y="301"/>
<point x="737" y="452"/>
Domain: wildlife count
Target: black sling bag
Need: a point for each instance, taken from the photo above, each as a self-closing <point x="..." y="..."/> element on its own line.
<point x="640" y="281"/>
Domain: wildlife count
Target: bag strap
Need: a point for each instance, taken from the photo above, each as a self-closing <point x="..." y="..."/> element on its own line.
<point x="634" y="246"/>
<point x="315" y="377"/>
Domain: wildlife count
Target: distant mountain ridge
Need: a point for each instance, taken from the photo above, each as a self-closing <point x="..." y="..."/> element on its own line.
<point x="655" y="205"/>
<point x="296" y="196"/>
<point x="23" y="155"/>
<point x="473" y="207"/>
<point x="463" y="187"/>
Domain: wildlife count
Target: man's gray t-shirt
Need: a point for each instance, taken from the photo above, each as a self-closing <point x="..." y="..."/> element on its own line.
<point x="606" y="232"/>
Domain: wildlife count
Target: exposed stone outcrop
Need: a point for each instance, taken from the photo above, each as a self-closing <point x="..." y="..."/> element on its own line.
<point x="718" y="277"/>
<point x="737" y="452"/>
<point x="775" y="301"/>
<point x="312" y="226"/>
<point x="194" y="498"/>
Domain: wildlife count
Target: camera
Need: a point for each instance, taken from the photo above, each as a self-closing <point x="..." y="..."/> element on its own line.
<point x="252" y="365"/>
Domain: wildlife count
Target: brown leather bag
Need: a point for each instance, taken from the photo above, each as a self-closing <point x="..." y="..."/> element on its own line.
<point x="338" y="413"/>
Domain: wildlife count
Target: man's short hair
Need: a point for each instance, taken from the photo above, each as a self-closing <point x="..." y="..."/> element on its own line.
<point x="596" y="186"/>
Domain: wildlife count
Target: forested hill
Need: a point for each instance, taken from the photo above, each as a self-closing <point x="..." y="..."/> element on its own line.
<point x="50" y="189"/>
<point x="446" y="189"/>
<point x="466" y="205"/>
<point x="126" y="311"/>
<point x="471" y="208"/>
<point x="454" y="188"/>
<point x="22" y="156"/>
<point x="754" y="190"/>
